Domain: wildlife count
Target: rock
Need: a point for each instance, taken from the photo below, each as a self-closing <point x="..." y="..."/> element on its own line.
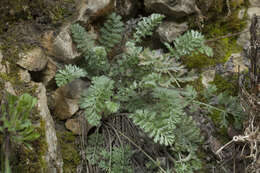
<point x="177" y="9"/>
<point x="241" y="13"/>
<point x="207" y="77"/>
<point x="66" y="98"/>
<point x="2" y="67"/>
<point x="1" y="56"/>
<point x="7" y="85"/>
<point x="255" y="3"/>
<point x="234" y="63"/>
<point x="93" y="9"/>
<point x="127" y="8"/>
<point x="244" y="38"/>
<point x="236" y="3"/>
<point x="53" y="156"/>
<point x="7" y="67"/>
<point x="47" y="42"/>
<point x="49" y="72"/>
<point x="33" y="60"/>
<point x="74" y="125"/>
<point x="9" y="88"/>
<point x="253" y="10"/>
<point x="77" y="125"/>
<point x="74" y="89"/>
<point x="62" y="48"/>
<point x="205" y="5"/>
<point x="64" y="108"/>
<point x="24" y="75"/>
<point x="168" y="31"/>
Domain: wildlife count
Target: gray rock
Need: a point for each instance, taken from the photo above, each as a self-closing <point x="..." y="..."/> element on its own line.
<point x="1" y="56"/>
<point x="64" y="108"/>
<point x="236" y="62"/>
<point x="24" y="75"/>
<point x="77" y="125"/>
<point x="2" y="67"/>
<point x="74" y="89"/>
<point x="66" y="98"/>
<point x="253" y="10"/>
<point x="127" y="7"/>
<point x="33" y="60"/>
<point x="244" y="38"/>
<point x="255" y="3"/>
<point x="241" y="13"/>
<point x="168" y="31"/>
<point x="63" y="48"/>
<point x="7" y="85"/>
<point x="53" y="156"/>
<point x="93" y="8"/>
<point x="74" y="125"/>
<point x="205" y="5"/>
<point x="207" y="77"/>
<point x="49" y="72"/>
<point x="173" y="8"/>
<point x="9" y="88"/>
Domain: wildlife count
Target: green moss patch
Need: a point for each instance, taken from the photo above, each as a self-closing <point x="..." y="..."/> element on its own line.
<point x="218" y="24"/>
<point x="39" y="11"/>
<point x="226" y="84"/>
<point x="70" y="154"/>
<point x="10" y="49"/>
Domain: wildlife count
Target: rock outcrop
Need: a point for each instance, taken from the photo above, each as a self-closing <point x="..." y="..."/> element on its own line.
<point x="63" y="48"/>
<point x="177" y="9"/>
<point x="33" y="60"/>
<point x="244" y="38"/>
<point x="127" y="8"/>
<point x="66" y="98"/>
<point x="53" y="157"/>
<point x="78" y="125"/>
<point x="93" y="9"/>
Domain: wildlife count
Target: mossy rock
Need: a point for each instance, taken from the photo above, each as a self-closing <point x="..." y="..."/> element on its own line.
<point x="216" y="25"/>
<point x="11" y="47"/>
<point x="222" y="51"/>
<point x="69" y="151"/>
<point x="43" y="12"/>
<point x="227" y="84"/>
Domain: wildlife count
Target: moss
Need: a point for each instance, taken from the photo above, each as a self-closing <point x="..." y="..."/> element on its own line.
<point x="70" y="154"/>
<point x="39" y="11"/>
<point x="221" y="132"/>
<point x="11" y="49"/>
<point x="18" y="32"/>
<point x="8" y="78"/>
<point x="33" y="160"/>
<point x="226" y="84"/>
<point x="222" y="48"/>
<point x="216" y="25"/>
<point x="239" y="3"/>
